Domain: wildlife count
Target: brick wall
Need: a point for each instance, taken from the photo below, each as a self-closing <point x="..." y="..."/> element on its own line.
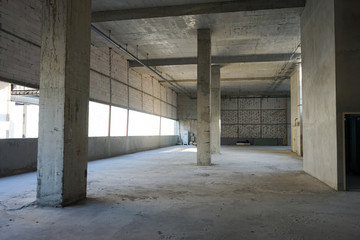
<point x="249" y="118"/>
<point x="243" y="118"/>
<point x="110" y="79"/>
<point x="109" y="73"/>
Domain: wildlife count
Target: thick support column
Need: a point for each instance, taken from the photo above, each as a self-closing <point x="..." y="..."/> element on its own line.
<point x="64" y="95"/>
<point x="215" y="101"/>
<point x="203" y="97"/>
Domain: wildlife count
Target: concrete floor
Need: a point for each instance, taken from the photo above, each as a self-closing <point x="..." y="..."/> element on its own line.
<point x="249" y="193"/>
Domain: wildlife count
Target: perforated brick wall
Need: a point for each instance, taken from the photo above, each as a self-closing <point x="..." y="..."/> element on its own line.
<point x="250" y="131"/>
<point x="249" y="116"/>
<point x="254" y="118"/>
<point x="229" y="131"/>
<point x="229" y="104"/>
<point x="229" y="117"/>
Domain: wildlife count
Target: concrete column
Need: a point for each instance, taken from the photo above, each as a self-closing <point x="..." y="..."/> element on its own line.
<point x="295" y="93"/>
<point x="215" y="102"/>
<point x="203" y="97"/>
<point x="64" y="95"/>
<point x="25" y="116"/>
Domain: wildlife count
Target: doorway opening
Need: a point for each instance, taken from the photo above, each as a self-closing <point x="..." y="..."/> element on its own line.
<point x="352" y="151"/>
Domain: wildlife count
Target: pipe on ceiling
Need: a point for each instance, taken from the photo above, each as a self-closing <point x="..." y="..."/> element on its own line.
<point x="103" y="35"/>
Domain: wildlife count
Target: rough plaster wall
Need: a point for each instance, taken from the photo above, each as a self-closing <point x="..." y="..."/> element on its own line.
<point x="295" y="112"/>
<point x="20" y="42"/>
<point x="347" y="39"/>
<point x="319" y="91"/>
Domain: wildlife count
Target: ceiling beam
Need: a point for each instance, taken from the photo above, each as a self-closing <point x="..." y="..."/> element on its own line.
<point x="194" y="9"/>
<point x="218" y="60"/>
<point x="226" y="79"/>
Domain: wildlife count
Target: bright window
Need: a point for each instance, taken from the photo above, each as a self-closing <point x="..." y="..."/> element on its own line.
<point x="142" y="124"/>
<point x="169" y="127"/>
<point x="32" y="121"/>
<point x="118" y="121"/>
<point x="19" y="111"/>
<point x="98" y="119"/>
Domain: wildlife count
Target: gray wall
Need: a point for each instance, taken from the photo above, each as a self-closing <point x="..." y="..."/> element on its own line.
<point x="20" y="155"/>
<point x="104" y="147"/>
<point x="347" y="50"/>
<point x="331" y="57"/>
<point x="319" y="90"/>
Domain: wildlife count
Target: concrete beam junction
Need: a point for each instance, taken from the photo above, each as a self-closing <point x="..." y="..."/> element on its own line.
<point x="277" y="57"/>
<point x="194" y="9"/>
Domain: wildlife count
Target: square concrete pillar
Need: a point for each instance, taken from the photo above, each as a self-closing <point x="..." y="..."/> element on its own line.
<point x="203" y="97"/>
<point x="215" y="101"/>
<point x="64" y="96"/>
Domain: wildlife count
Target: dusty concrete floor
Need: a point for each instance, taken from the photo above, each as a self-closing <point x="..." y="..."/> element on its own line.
<point x="249" y="193"/>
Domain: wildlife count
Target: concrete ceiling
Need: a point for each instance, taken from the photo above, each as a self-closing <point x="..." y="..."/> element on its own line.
<point x="263" y="33"/>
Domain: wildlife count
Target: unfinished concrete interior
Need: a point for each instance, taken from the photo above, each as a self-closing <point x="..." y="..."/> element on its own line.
<point x="102" y="102"/>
